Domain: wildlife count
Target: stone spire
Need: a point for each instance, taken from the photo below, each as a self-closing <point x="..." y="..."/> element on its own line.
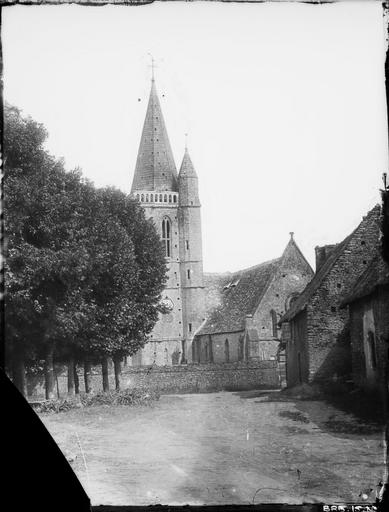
<point x="155" y="168"/>
<point x="187" y="168"/>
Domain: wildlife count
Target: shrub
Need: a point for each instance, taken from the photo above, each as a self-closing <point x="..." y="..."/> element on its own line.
<point x="125" y="397"/>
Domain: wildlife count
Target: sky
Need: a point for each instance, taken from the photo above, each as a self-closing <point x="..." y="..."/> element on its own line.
<point x="283" y="103"/>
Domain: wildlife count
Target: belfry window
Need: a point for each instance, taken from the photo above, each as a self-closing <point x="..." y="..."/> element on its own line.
<point x="166" y="236"/>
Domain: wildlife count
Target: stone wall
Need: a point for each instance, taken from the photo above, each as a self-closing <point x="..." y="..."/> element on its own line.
<point x="191" y="378"/>
<point x="327" y="323"/>
<point x="377" y="307"/>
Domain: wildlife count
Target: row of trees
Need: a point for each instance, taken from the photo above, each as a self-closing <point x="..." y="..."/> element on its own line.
<point x="84" y="268"/>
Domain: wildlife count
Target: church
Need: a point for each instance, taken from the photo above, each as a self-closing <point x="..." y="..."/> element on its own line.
<point x="241" y="325"/>
<point x="172" y="201"/>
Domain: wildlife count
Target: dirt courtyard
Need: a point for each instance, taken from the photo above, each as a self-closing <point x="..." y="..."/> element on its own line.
<point x="219" y="448"/>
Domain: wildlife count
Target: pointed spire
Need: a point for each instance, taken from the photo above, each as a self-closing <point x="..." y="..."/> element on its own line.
<point x="155" y="168"/>
<point x="187" y="169"/>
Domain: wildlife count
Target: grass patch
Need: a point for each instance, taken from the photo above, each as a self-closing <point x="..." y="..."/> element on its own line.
<point x="125" y="397"/>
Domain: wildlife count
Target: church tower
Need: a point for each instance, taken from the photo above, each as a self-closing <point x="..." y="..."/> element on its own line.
<point x="172" y="202"/>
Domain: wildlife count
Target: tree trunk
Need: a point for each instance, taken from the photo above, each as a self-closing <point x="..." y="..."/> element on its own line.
<point x="49" y="374"/>
<point x="88" y="376"/>
<point x="76" y="380"/>
<point x="19" y="374"/>
<point x="104" y="370"/>
<point x="118" y="370"/>
<point x="71" y="372"/>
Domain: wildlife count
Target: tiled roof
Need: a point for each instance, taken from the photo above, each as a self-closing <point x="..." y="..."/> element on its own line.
<point x="236" y="295"/>
<point x="376" y="274"/>
<point x="301" y="302"/>
<point x="155" y="168"/>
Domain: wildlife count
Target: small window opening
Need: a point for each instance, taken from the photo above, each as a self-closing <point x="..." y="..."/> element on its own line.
<point x="175" y="199"/>
<point x="188" y="272"/>
<point x="190" y="327"/>
<point x="333" y="309"/>
<point x="187" y="244"/>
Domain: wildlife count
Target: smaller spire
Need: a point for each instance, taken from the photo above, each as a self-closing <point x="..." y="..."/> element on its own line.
<point x="187" y="168"/>
<point x="291" y="235"/>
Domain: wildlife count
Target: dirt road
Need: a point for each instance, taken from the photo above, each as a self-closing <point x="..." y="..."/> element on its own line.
<point x="220" y="448"/>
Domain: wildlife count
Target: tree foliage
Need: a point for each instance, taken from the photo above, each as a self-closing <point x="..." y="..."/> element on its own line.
<point x="84" y="268"/>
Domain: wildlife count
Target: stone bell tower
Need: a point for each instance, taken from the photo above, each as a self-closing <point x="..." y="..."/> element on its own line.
<point x="172" y="202"/>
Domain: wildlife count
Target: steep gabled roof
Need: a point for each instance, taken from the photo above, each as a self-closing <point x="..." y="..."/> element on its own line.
<point x="232" y="296"/>
<point x="239" y="295"/>
<point x="301" y="302"/>
<point x="155" y="168"/>
<point x="376" y="275"/>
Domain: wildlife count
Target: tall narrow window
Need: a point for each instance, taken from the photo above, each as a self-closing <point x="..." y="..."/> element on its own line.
<point x="273" y="315"/>
<point x="190" y="327"/>
<point x="166" y="236"/>
<point x="188" y="272"/>
<point x="187" y="244"/>
<point x="226" y="351"/>
<point x="372" y="350"/>
<point x="241" y="349"/>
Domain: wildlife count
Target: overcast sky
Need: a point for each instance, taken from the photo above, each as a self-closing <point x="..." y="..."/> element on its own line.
<point x="284" y="105"/>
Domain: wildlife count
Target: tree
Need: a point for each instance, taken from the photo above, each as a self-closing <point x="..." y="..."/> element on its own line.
<point x="85" y="270"/>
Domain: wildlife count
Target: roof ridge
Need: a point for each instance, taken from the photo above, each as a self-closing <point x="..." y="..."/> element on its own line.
<point x="264" y="263"/>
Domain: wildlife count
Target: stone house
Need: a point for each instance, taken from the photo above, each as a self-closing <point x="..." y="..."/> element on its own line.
<point x="315" y="330"/>
<point x="368" y="305"/>
<point x="244" y="308"/>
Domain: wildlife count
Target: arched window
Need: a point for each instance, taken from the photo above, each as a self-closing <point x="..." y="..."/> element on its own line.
<point x="160" y="198"/>
<point x="152" y="198"/>
<point x="175" y="199"/>
<point x="226" y="351"/>
<point x="166" y="236"/>
<point x="170" y="198"/>
<point x="147" y="198"/>
<point x="138" y="196"/>
<point x="165" y="198"/>
<point x="273" y="315"/>
<point x="142" y="198"/>
<point x="241" y="349"/>
<point x="290" y="300"/>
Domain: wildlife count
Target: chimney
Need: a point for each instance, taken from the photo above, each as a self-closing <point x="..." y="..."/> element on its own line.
<point x="322" y="253"/>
